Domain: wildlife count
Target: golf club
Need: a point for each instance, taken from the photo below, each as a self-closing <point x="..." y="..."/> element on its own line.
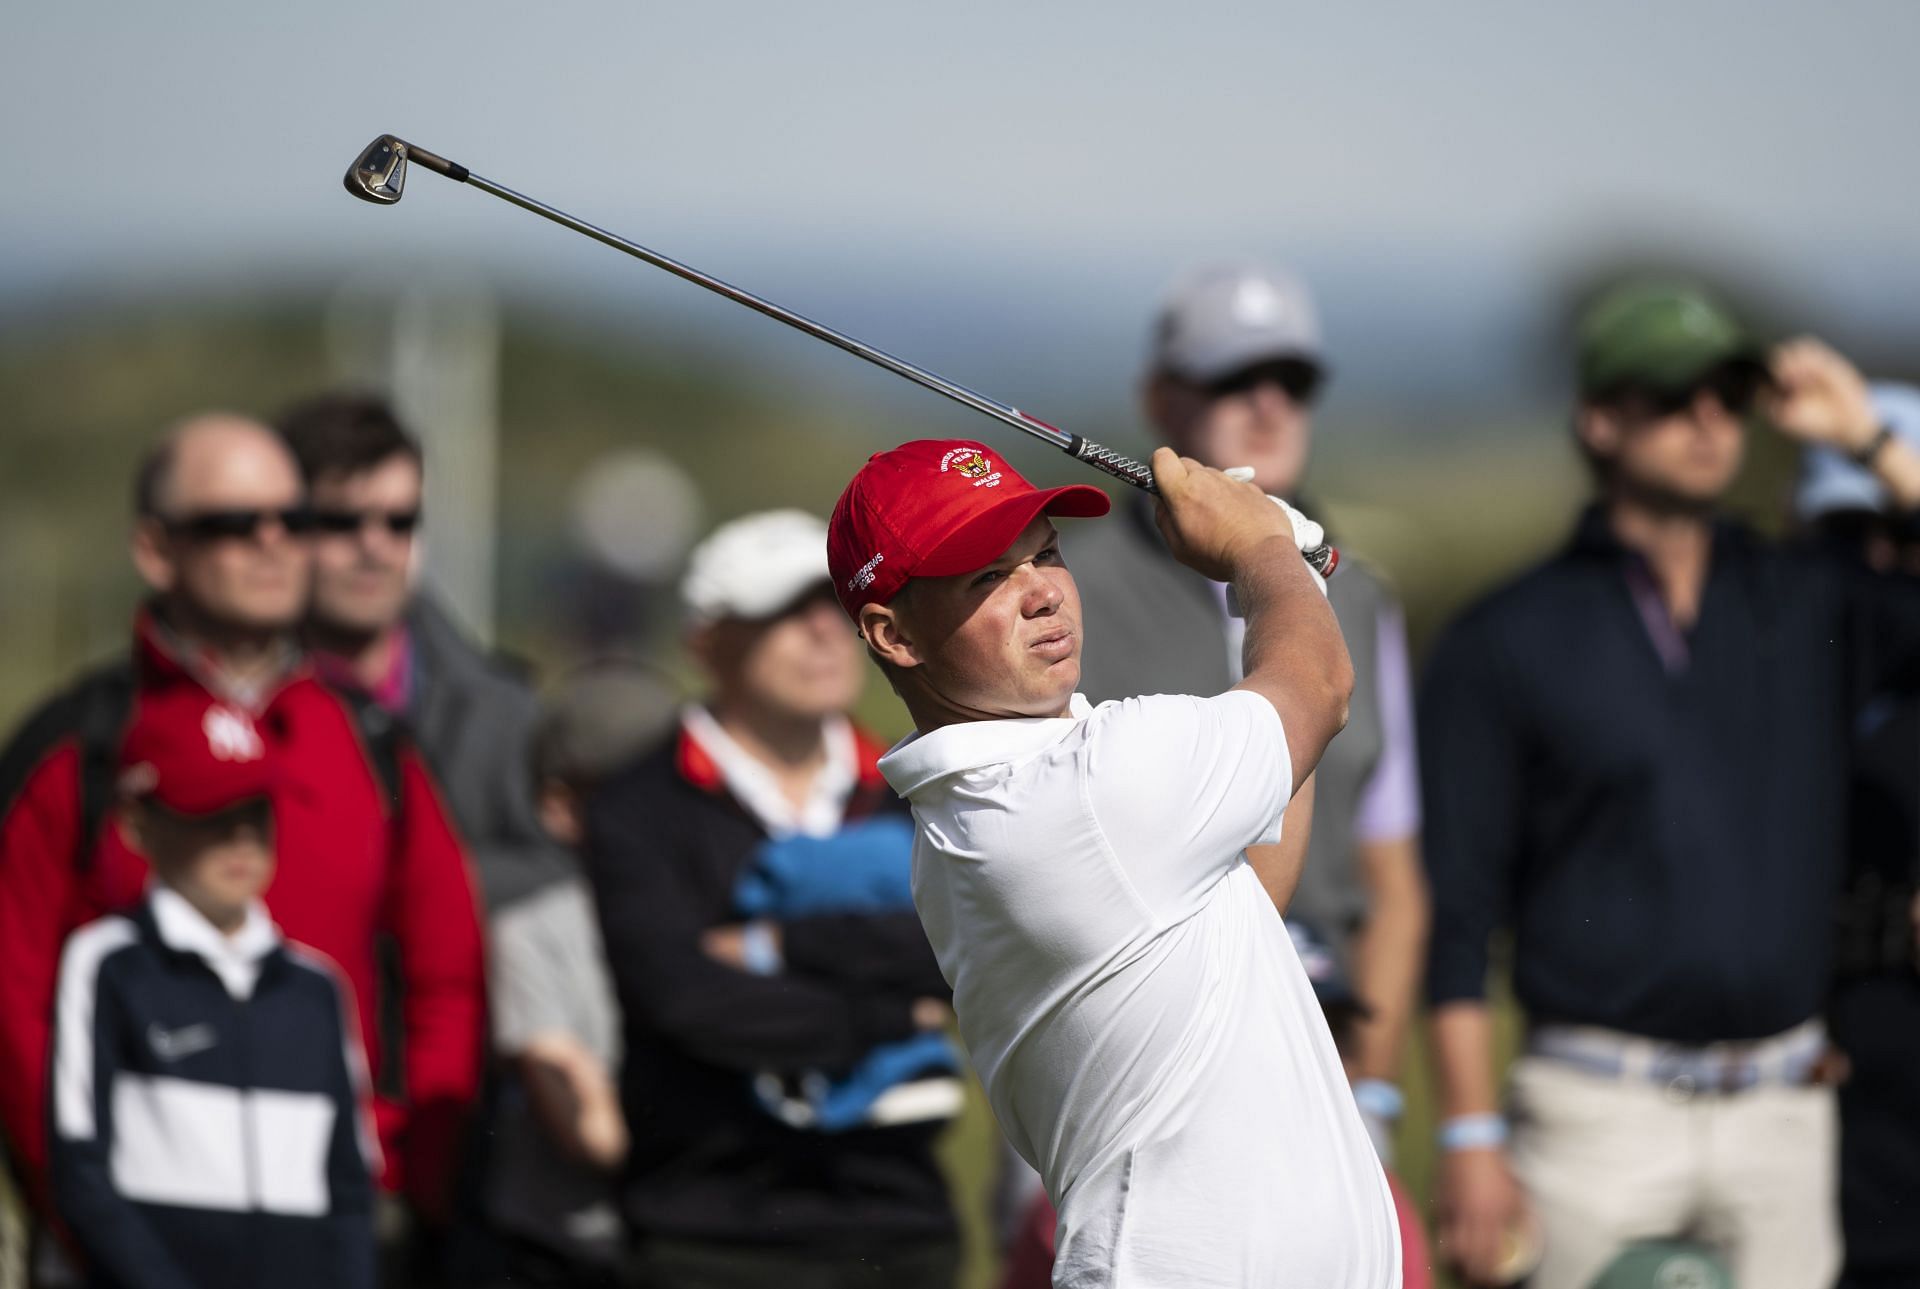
<point x="379" y="175"/>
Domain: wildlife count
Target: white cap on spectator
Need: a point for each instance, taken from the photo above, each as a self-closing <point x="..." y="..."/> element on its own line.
<point x="756" y="566"/>
<point x="1831" y="482"/>
<point x="1230" y="317"/>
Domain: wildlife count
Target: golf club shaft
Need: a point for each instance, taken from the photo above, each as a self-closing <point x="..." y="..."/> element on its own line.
<point x="1113" y="463"/>
<point x="1102" y="458"/>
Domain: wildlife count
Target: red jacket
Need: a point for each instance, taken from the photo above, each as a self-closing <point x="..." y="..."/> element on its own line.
<point x="350" y="868"/>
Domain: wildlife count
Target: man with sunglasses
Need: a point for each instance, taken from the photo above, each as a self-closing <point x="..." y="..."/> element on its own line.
<point x="1236" y="367"/>
<point x="1635" y="761"/>
<point x="372" y="628"/>
<point x="363" y="848"/>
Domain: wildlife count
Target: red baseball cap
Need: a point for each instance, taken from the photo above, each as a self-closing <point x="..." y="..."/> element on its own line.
<point x="933" y="508"/>
<point x="196" y="758"/>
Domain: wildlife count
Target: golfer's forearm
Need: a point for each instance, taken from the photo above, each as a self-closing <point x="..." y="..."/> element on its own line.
<point x="1295" y="656"/>
<point x="1463" y="1058"/>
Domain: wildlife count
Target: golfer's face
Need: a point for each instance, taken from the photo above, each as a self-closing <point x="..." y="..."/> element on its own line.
<point x="1004" y="640"/>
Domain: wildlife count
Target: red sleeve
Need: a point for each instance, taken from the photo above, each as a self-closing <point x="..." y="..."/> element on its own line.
<point x="38" y="902"/>
<point x="434" y="918"/>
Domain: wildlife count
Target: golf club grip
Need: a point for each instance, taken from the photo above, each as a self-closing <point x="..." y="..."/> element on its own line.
<point x="1118" y="464"/>
<point x="1323" y="558"/>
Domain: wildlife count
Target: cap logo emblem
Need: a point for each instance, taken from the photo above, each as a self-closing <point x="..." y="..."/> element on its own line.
<point x="971" y="464"/>
<point x="863" y="578"/>
<point x="231" y="736"/>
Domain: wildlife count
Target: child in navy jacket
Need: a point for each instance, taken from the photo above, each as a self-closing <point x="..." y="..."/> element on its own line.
<point x="208" y="1095"/>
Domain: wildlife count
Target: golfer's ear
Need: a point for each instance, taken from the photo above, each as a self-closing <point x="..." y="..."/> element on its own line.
<point x="888" y="635"/>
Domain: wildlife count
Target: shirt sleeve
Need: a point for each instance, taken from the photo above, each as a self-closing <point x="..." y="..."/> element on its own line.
<point x="542" y="951"/>
<point x="1389" y="807"/>
<point x="1883" y="612"/>
<point x="37" y="897"/>
<point x="117" y="1239"/>
<point x="1471" y="773"/>
<point x="353" y="1156"/>
<point x="1180" y="786"/>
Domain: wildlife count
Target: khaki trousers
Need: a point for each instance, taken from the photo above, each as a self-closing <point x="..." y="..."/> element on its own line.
<point x="1606" y="1162"/>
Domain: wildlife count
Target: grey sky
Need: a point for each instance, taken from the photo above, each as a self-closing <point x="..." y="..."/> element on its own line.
<point x="1404" y="153"/>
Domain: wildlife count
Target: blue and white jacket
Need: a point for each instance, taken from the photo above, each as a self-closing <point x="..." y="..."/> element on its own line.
<point x="209" y="1123"/>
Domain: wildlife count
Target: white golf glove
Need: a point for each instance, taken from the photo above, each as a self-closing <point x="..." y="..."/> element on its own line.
<point x="1306" y="533"/>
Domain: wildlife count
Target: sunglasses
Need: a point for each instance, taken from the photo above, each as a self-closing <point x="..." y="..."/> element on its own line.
<point x="235" y="525"/>
<point x="1737" y="387"/>
<point x="1299" y="378"/>
<point x="345" y="523"/>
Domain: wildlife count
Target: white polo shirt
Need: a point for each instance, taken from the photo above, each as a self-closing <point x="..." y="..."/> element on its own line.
<point x="1131" y="999"/>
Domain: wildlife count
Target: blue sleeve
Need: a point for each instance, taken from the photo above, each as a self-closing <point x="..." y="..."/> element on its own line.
<point x="1471" y="778"/>
<point x="114" y="1235"/>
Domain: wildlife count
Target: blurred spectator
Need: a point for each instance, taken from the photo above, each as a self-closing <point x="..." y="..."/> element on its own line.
<point x="1634" y="759"/>
<point x="1875" y="1008"/>
<point x="783" y="1081"/>
<point x="211" y="1123"/>
<point x="371" y="629"/>
<point x="558" y="1136"/>
<point x="365" y="850"/>
<point x="1030" y="1255"/>
<point x="1235" y="369"/>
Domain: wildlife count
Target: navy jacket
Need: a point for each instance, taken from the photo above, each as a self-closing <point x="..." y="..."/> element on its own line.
<point x="208" y="1121"/>
<point x="1658" y="818"/>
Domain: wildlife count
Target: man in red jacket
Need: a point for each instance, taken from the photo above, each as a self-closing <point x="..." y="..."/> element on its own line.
<point x="364" y="845"/>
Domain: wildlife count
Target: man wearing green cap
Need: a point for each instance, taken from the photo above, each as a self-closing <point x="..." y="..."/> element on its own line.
<point x="1634" y="761"/>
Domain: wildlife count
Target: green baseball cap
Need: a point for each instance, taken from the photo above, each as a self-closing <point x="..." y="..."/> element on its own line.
<point x="1661" y="334"/>
<point x="1666" y="1264"/>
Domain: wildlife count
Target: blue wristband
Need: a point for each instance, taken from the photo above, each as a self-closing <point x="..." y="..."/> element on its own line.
<point x="1379" y="1098"/>
<point x="758" y="950"/>
<point x="1473" y="1132"/>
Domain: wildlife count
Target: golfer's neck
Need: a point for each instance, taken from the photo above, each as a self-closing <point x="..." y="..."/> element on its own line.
<point x="932" y="711"/>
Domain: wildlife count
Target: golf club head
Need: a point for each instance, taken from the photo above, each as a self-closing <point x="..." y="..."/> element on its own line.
<point x="380" y="172"/>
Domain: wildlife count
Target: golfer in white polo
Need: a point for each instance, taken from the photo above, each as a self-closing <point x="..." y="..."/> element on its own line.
<point x="1101" y="885"/>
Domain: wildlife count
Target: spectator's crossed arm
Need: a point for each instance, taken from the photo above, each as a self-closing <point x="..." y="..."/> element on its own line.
<point x="652" y="926"/>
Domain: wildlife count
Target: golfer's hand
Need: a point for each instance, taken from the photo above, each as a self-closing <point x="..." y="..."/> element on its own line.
<point x="1212" y="522"/>
<point x="1479" y="1203"/>
<point x="1820" y="397"/>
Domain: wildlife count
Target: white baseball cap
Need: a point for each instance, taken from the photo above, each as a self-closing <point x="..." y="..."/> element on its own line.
<point x="1830" y="481"/>
<point x="756" y="565"/>
<point x="1229" y="317"/>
